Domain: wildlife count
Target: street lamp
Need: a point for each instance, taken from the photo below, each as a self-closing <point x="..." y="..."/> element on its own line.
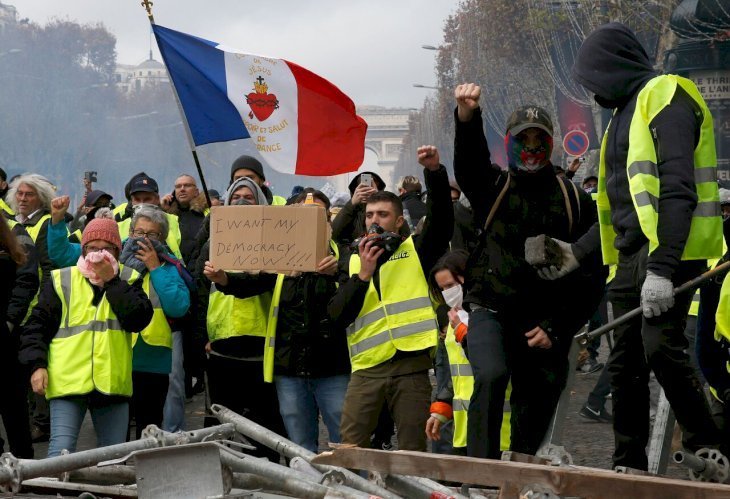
<point x="429" y="47"/>
<point x="11" y="51"/>
<point x="418" y="85"/>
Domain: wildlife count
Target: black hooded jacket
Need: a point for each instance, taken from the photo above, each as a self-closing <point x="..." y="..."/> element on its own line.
<point x="613" y="65"/>
<point x="498" y="276"/>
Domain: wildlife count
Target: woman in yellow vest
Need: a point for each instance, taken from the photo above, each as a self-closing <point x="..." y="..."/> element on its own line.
<point x="145" y="252"/>
<point x="445" y="281"/>
<point x="77" y="341"/>
<point x="236" y="337"/>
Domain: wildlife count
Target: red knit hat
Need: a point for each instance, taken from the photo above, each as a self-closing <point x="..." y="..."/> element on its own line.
<point x="103" y="229"/>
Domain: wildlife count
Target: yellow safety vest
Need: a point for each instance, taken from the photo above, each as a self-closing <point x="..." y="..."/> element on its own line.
<point x="401" y="318"/>
<point x="229" y="316"/>
<point x="278" y="201"/>
<point x="462" y="380"/>
<point x="173" y="235"/>
<point x="694" y="307"/>
<point x="7" y="209"/>
<point x="158" y="332"/>
<point x="119" y="212"/>
<point x="35" y="230"/>
<point x="722" y="316"/>
<point x="90" y="351"/>
<point x="705" y="235"/>
<point x="270" y="345"/>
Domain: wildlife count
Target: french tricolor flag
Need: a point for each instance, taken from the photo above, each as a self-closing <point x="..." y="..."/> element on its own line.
<point x="301" y="123"/>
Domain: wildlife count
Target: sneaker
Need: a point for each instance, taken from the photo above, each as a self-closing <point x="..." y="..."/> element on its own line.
<point x="590" y="366"/>
<point x="601" y="416"/>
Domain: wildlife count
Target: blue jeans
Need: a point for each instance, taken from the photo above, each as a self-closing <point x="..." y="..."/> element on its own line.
<point x="174" y="412"/>
<point x="302" y="399"/>
<point x="110" y="417"/>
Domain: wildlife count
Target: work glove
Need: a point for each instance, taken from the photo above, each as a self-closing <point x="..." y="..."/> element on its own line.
<point x="570" y="263"/>
<point x="657" y="295"/>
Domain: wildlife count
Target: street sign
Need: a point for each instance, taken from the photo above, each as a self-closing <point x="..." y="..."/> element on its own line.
<point x="576" y="143"/>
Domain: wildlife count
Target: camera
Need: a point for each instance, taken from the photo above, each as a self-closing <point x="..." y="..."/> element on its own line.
<point x="388" y="241"/>
<point x="90" y="176"/>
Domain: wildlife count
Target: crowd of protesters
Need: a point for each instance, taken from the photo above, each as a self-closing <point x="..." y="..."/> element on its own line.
<point x="119" y="310"/>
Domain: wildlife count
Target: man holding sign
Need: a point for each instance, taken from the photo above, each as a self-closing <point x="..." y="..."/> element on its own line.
<point x="385" y="306"/>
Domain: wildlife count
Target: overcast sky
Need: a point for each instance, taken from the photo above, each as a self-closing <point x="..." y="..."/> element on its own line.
<point x="370" y="49"/>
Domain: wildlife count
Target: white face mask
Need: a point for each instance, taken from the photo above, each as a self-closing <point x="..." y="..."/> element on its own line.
<point x="453" y="296"/>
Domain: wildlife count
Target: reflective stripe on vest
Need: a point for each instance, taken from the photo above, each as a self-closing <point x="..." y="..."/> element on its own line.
<point x="462" y="380"/>
<point x="705" y="235"/>
<point x="228" y="316"/>
<point x="173" y="234"/>
<point x="90" y="350"/>
<point x="158" y="332"/>
<point x="694" y="307"/>
<point x="270" y="345"/>
<point x="401" y="317"/>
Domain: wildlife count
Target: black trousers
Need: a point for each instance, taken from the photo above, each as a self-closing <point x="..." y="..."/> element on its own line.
<point x="498" y="353"/>
<point x="239" y="385"/>
<point x="148" y="399"/>
<point x="14" y="402"/>
<point x="656" y="344"/>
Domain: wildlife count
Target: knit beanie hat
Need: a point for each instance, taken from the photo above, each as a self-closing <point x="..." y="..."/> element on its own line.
<point x="249" y="163"/>
<point x="102" y="229"/>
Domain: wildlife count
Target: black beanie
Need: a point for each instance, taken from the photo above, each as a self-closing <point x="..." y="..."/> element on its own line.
<point x="3" y="175"/>
<point x="249" y="163"/>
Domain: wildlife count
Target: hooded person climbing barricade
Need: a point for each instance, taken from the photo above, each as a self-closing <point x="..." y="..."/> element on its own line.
<point x="520" y="326"/>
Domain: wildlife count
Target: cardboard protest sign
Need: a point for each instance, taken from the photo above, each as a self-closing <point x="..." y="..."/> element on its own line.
<point x="268" y="238"/>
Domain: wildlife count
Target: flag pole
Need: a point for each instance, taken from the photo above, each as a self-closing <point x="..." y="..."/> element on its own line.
<point x="147" y="4"/>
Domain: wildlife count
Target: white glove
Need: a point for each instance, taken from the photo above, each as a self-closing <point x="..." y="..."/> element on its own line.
<point x="570" y="263"/>
<point x="657" y="295"/>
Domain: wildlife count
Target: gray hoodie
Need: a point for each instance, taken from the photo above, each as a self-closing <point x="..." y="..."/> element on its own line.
<point x="246" y="182"/>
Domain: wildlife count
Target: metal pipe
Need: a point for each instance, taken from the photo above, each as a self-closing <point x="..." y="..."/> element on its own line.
<point x="114" y="474"/>
<point x="289" y="449"/>
<point x="697" y="464"/>
<point x="584" y="338"/>
<point x="47" y="484"/>
<point x="13" y="470"/>
<point x="287" y="480"/>
<point x="302" y="465"/>
<point x="437" y="487"/>
<point x="268" y="468"/>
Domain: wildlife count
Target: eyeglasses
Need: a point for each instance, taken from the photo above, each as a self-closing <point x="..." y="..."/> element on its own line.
<point x="151" y="235"/>
<point x="93" y="249"/>
<point x="184" y="186"/>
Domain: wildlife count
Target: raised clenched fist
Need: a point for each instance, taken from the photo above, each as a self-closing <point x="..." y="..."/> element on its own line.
<point x="428" y="157"/>
<point x="467" y="100"/>
<point x="59" y="207"/>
